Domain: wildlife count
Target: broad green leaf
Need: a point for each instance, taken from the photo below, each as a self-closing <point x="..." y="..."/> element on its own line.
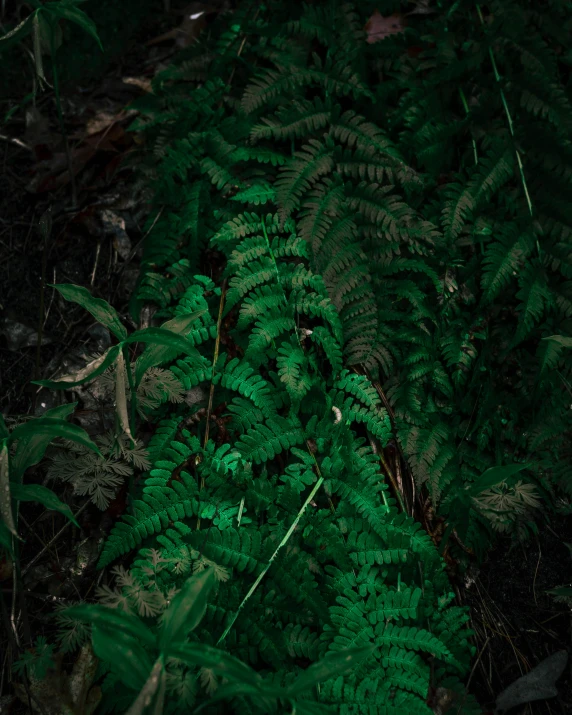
<point x="100" y="309"/>
<point x="331" y="665"/>
<point x="67" y="11"/>
<point x="121" y="395"/>
<point x="156" y="354"/>
<point x="561" y="339"/>
<point x="18" y="33"/>
<point x="114" y="619"/>
<point x="495" y="475"/>
<point x="53" y="427"/>
<point x="42" y="495"/>
<point x="160" y="336"/>
<point x="218" y="660"/>
<point x="31" y="449"/>
<point x="89" y="372"/>
<point x="122" y="651"/>
<point x="5" y="497"/>
<point x="186" y="609"/>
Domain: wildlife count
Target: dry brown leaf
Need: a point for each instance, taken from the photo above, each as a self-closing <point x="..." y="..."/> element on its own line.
<point x="379" y="27"/>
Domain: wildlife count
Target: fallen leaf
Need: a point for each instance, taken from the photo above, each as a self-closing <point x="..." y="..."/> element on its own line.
<point x="379" y="27"/>
<point x="536" y="685"/>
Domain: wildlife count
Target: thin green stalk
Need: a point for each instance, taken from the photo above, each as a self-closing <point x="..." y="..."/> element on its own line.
<point x="133" y="392"/>
<point x="510" y="126"/>
<point x="289" y="533"/>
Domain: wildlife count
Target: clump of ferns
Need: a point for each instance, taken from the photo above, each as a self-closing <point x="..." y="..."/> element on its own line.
<point x="508" y="508"/>
<point x="147" y="589"/>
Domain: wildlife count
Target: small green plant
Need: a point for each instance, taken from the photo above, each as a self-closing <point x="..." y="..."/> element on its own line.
<point x="164" y="344"/>
<point x="21" y="448"/>
<point x="140" y="658"/>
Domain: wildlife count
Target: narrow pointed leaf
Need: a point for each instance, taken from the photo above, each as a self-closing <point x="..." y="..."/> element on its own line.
<point x="6" y="539"/>
<point x="18" y="33"/>
<point x="114" y="619"/>
<point x="166" y="338"/>
<point x="186" y="610"/>
<point x="156" y="354"/>
<point x="53" y="427"/>
<point x="75" y="15"/>
<point x="42" y="495"/>
<point x="86" y="374"/>
<point x="121" y="650"/>
<point x="100" y="309"/>
<point x="32" y="448"/>
<point x="495" y="475"/>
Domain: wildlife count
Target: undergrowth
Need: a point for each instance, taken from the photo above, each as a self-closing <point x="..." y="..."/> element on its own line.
<point x="385" y="229"/>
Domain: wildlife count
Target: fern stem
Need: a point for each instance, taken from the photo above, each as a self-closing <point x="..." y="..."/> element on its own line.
<point x="510" y="126"/>
<point x="289" y="533"/>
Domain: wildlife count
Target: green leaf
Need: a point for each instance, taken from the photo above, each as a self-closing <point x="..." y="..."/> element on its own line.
<point x="561" y="339"/>
<point x="5" y="499"/>
<point x="6" y="539"/>
<point x="115" y="619"/>
<point x="42" y="495"/>
<point x="53" y="427"/>
<point x="18" y="33"/>
<point x="99" y="308"/>
<point x="218" y="660"/>
<point x="495" y="475"/>
<point x="186" y="610"/>
<point x="31" y="449"/>
<point x="67" y="11"/>
<point x="156" y="354"/>
<point x="123" y="652"/>
<point x="87" y="373"/>
<point x="331" y="665"/>
<point x="160" y="336"/>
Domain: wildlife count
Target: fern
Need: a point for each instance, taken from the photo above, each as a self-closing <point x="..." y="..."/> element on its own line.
<point x="393" y="235"/>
